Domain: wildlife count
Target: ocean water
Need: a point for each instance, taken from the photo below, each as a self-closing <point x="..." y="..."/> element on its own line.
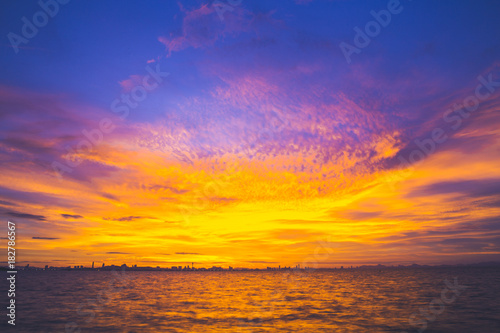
<point x="465" y="299"/>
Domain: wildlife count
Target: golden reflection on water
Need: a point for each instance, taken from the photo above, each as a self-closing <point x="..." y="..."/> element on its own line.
<point x="314" y="301"/>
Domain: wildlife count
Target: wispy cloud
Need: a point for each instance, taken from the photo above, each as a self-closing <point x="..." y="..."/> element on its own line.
<point x="69" y="216"/>
<point x="27" y="216"/>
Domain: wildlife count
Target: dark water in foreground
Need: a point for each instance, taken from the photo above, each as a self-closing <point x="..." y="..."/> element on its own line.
<point x="389" y="300"/>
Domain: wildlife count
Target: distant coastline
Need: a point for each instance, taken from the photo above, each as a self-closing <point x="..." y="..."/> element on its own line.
<point x="239" y="269"/>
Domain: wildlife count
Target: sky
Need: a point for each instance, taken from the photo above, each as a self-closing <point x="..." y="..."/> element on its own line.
<point x="250" y="133"/>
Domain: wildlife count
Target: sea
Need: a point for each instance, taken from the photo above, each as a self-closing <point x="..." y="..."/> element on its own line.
<point x="424" y="299"/>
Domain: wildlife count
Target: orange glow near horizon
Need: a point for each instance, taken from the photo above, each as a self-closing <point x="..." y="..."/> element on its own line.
<point x="259" y="213"/>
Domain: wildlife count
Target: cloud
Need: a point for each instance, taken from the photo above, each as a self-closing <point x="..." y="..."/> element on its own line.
<point x="45" y="238"/>
<point x="132" y="82"/>
<point x="222" y="200"/>
<point x="69" y="216"/>
<point x="110" y="196"/>
<point x="39" y="198"/>
<point x="27" y="216"/>
<point x="262" y="125"/>
<point x="202" y="27"/>
<point x="6" y="203"/>
<point x="470" y="188"/>
<point x="253" y="119"/>
<point x="295" y="234"/>
<point x="126" y="218"/>
<point x="29" y="148"/>
<point x="360" y="215"/>
<point x="158" y="187"/>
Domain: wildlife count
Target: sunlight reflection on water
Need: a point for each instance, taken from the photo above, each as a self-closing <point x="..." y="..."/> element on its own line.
<point x="317" y="301"/>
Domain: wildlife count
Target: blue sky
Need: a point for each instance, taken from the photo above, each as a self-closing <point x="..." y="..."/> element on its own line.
<point x="88" y="47"/>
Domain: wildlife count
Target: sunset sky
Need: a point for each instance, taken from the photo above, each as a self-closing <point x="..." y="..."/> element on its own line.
<point x="165" y="133"/>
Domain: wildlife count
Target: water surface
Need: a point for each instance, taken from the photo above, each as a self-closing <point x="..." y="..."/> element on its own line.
<point x="387" y="300"/>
